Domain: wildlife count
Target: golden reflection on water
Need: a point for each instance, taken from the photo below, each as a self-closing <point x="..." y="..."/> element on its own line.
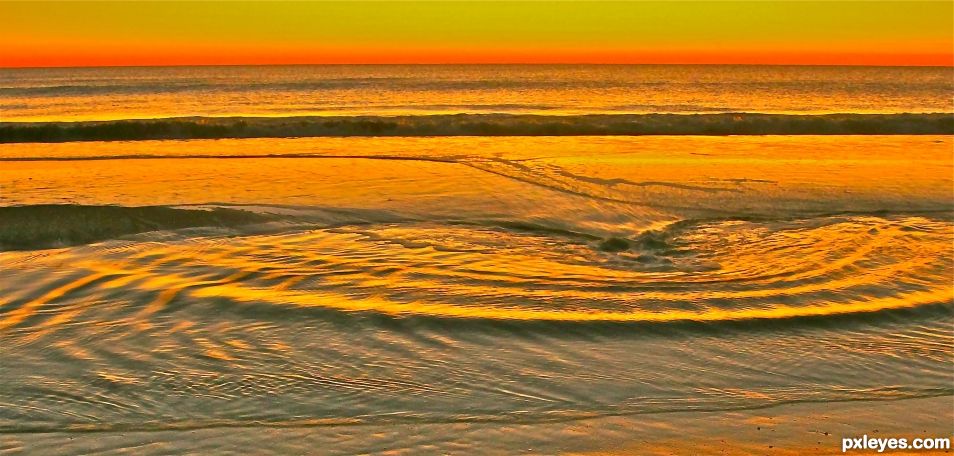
<point x="142" y="93"/>
<point x="823" y="173"/>
<point x="454" y="281"/>
<point x="743" y="251"/>
<point x="842" y="266"/>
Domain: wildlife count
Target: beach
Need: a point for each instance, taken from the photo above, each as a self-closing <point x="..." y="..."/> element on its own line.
<point x="694" y="291"/>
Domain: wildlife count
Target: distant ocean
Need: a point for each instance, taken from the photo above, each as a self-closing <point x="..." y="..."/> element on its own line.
<point x="373" y="90"/>
<point x="450" y="259"/>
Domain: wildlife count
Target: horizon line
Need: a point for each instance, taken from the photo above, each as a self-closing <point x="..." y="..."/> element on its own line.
<point x="42" y="67"/>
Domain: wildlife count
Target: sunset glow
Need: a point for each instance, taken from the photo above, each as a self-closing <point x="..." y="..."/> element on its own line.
<point x="175" y="33"/>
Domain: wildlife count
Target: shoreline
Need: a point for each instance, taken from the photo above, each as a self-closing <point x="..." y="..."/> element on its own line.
<point x="787" y="429"/>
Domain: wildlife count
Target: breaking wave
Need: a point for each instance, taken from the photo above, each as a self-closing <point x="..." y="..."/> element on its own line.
<point x="480" y="125"/>
<point x="59" y="225"/>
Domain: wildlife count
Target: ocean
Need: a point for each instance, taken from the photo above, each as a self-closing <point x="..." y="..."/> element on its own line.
<point x="73" y="94"/>
<point x="470" y="259"/>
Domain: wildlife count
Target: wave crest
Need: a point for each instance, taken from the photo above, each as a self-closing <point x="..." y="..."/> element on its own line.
<point x="481" y="125"/>
<point x="58" y="225"/>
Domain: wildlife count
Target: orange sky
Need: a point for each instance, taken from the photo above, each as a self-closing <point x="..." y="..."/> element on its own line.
<point x="185" y="33"/>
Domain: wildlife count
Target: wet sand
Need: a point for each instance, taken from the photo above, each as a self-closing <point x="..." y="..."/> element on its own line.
<point x="793" y="429"/>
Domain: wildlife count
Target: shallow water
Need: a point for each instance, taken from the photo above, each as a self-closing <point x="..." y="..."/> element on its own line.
<point x="458" y="281"/>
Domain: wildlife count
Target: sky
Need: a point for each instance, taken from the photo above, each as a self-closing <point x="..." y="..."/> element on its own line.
<point x="79" y="33"/>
